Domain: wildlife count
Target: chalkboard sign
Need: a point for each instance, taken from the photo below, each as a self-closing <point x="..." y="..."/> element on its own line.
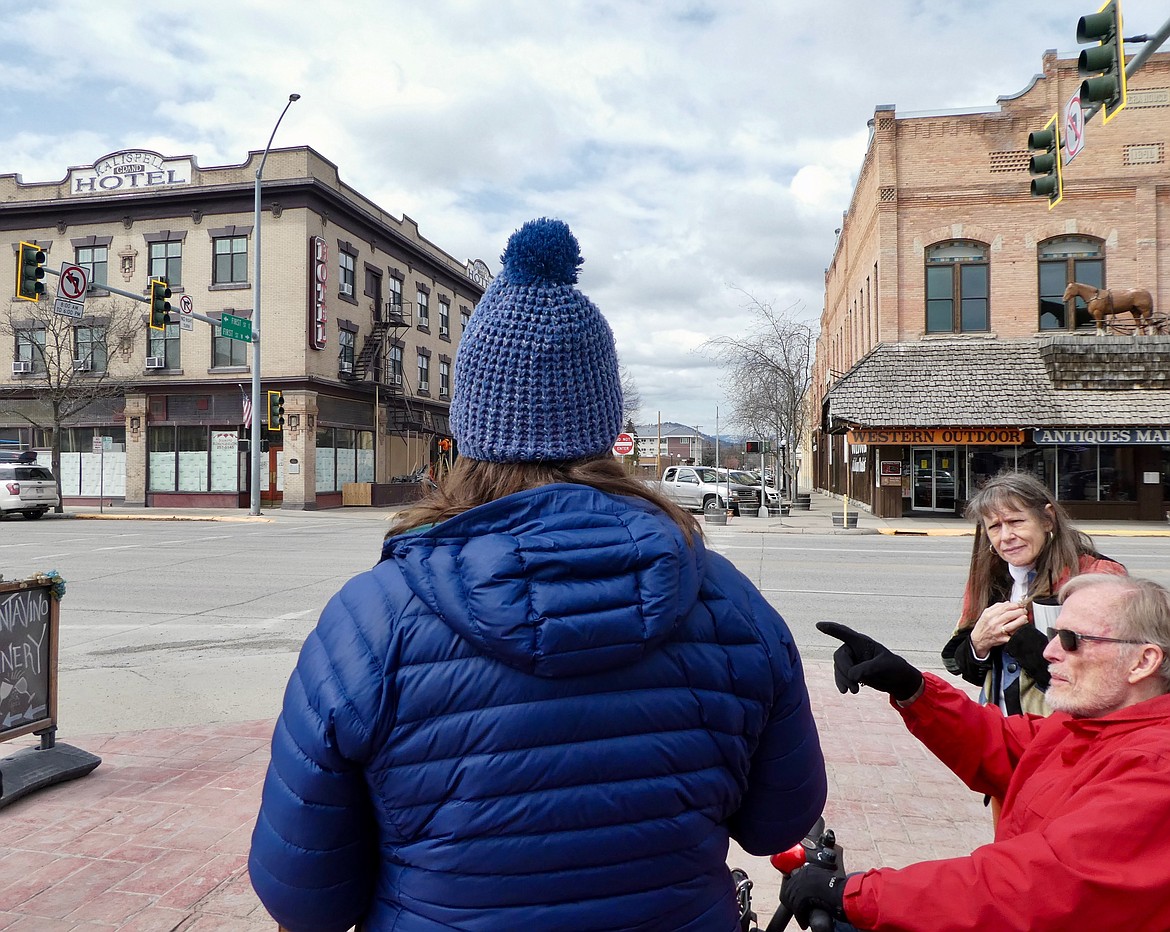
<point x="28" y="657"/>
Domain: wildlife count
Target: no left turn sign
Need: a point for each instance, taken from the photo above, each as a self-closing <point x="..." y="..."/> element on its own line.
<point x="1074" y="128"/>
<point x="73" y="282"/>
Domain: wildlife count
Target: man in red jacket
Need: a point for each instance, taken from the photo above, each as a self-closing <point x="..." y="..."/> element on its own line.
<point x="1082" y="841"/>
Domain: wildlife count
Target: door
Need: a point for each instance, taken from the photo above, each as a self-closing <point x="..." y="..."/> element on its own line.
<point x="272" y="482"/>
<point x="690" y="493"/>
<point x="935" y="479"/>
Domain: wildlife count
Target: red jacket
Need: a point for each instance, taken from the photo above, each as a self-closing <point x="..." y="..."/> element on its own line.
<point x="1084" y="837"/>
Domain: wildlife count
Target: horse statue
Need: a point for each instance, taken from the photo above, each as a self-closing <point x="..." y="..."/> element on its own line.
<point x="1105" y="301"/>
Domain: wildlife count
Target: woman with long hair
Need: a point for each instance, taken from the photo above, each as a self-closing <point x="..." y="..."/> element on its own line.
<point x="548" y="706"/>
<point x="1025" y="548"/>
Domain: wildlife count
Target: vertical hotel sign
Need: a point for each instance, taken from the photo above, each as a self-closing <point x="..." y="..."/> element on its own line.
<point x="318" y="280"/>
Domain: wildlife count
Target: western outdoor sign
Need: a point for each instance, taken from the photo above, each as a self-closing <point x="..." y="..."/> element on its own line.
<point x="947" y="436"/>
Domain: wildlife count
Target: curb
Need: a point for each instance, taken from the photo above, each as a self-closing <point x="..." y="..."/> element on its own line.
<point x="100" y="517"/>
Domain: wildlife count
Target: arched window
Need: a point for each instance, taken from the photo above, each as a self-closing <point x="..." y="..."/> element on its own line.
<point x="1065" y="259"/>
<point x="957" y="287"/>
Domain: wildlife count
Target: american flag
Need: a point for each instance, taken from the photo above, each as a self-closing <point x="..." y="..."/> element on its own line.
<point x="247" y="409"/>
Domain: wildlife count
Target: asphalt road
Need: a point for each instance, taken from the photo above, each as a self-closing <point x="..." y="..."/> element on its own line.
<point x="174" y="623"/>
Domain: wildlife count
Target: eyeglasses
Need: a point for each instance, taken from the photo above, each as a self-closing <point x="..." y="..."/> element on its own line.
<point x="1071" y="640"/>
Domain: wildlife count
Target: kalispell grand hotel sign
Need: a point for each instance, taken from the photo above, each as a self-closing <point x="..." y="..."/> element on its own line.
<point x="129" y="170"/>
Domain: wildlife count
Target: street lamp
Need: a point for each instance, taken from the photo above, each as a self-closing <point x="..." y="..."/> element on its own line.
<point x="255" y="509"/>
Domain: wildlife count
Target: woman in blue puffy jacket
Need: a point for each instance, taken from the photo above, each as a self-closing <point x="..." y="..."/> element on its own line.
<point x="548" y="706"/>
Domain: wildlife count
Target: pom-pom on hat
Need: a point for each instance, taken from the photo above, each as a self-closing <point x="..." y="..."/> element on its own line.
<point x="536" y="375"/>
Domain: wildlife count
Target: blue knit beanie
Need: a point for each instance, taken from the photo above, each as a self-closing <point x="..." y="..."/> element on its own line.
<point x="536" y="375"/>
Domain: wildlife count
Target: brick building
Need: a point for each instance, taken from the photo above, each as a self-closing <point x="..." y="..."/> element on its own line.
<point x="360" y="319"/>
<point x="947" y="351"/>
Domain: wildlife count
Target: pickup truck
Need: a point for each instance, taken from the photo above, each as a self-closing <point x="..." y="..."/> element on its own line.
<point x="701" y="488"/>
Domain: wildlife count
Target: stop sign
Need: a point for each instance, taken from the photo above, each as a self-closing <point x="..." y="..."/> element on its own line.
<point x="623" y="445"/>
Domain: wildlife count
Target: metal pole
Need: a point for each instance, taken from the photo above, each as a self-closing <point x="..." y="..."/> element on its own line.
<point x="255" y="435"/>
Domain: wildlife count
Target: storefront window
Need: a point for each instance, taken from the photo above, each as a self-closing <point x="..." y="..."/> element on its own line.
<point x="326" y="461"/>
<point x="193" y="459"/>
<point x="346" y="468"/>
<point x="161" y="458"/>
<point x="84" y="472"/>
<point x="1041" y="462"/>
<point x="365" y="456"/>
<point x="1166" y="474"/>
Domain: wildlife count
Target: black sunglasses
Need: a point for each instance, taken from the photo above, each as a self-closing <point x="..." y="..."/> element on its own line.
<point x="1071" y="640"/>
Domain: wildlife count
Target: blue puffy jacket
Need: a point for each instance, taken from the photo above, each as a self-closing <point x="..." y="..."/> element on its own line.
<point x="547" y="713"/>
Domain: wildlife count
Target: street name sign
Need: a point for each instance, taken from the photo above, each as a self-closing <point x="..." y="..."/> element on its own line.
<point x="236" y="328"/>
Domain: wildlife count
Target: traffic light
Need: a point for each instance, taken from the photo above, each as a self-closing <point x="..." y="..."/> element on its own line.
<point x="753" y="446"/>
<point x="1050" y="184"/>
<point x="1102" y="67"/>
<point x="160" y="307"/>
<point x="275" y="411"/>
<point x="30" y="272"/>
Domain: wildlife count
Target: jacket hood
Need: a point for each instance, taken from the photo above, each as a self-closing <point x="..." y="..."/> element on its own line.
<point x="558" y="581"/>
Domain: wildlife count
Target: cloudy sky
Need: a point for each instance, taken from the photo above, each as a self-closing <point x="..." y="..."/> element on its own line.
<point x="703" y="151"/>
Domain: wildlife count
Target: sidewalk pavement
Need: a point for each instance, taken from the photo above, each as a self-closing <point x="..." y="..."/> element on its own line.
<point x="156" y="838"/>
<point x="818" y="519"/>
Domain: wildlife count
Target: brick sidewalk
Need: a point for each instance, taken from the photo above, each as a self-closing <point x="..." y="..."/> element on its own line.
<point x="156" y="838"/>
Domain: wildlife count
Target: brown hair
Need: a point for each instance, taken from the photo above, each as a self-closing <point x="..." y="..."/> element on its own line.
<point x="471" y="483"/>
<point x="988" y="577"/>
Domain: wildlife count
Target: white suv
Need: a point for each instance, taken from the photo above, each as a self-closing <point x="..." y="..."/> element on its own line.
<point x="29" y="489"/>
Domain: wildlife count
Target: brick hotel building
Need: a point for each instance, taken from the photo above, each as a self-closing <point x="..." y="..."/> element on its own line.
<point x="360" y="319"/>
<point x="946" y="351"/>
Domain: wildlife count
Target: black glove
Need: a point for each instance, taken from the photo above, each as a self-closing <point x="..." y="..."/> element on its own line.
<point x="861" y="659"/>
<point x="812" y="887"/>
<point x="1027" y="645"/>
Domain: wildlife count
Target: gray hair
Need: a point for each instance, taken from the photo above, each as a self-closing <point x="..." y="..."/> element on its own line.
<point x="1143" y="611"/>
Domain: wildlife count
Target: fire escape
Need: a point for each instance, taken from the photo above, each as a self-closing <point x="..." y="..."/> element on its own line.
<point x="402" y="414"/>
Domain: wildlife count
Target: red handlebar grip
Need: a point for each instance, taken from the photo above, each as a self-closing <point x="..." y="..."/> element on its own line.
<point x="788" y="861"/>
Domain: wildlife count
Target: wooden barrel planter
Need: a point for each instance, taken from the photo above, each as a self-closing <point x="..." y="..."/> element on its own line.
<point x="845" y="519"/>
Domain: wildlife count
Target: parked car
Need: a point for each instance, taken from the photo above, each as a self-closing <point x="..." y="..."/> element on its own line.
<point x="752" y="480"/>
<point x="701" y="488"/>
<point x="29" y="490"/>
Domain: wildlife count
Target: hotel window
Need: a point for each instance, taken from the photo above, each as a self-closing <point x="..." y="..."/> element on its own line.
<point x="424" y="371"/>
<point x="230" y="260"/>
<point x="957" y="287"/>
<point x="464" y="318"/>
<point x="444" y="318"/>
<point x="226" y="353"/>
<point x="30" y="349"/>
<point x="95" y="261"/>
<point x="163" y="346"/>
<point x="393" y="365"/>
<point x="424" y="311"/>
<point x="166" y="261"/>
<point x="395" y="296"/>
<point x="345" y="281"/>
<point x="1063" y="260"/>
<point x="444" y="379"/>
<point x="90" y="353"/>
<point x="345" y="346"/>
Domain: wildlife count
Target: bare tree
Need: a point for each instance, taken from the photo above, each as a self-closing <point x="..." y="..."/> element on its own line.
<point x="631" y="394"/>
<point x="767" y="374"/>
<point x="71" y="364"/>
